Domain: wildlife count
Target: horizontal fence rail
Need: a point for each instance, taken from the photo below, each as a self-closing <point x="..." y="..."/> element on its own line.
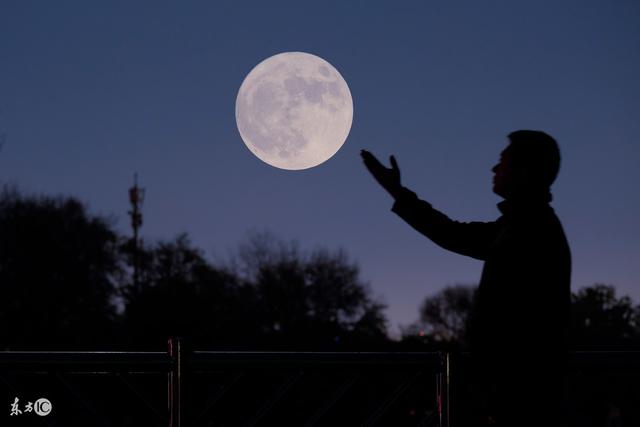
<point x="86" y="361"/>
<point x="330" y="359"/>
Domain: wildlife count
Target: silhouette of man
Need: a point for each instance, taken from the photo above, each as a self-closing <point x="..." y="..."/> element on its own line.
<point x="521" y="313"/>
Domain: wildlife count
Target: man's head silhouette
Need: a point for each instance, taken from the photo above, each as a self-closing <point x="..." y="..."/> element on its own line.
<point x="528" y="165"/>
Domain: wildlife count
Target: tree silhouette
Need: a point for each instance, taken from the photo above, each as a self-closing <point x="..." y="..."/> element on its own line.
<point x="271" y="295"/>
<point x="58" y="272"/>
<point x="599" y="319"/>
<point x="444" y="317"/>
<point x="181" y="294"/>
<point x="312" y="298"/>
<point x="66" y="285"/>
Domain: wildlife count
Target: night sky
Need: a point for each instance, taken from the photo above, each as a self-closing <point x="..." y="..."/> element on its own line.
<point x="91" y="92"/>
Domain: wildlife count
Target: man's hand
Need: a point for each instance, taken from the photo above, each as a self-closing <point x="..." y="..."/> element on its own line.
<point x="388" y="178"/>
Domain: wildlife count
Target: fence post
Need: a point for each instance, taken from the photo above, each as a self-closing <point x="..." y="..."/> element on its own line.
<point x="443" y="389"/>
<point x="175" y="381"/>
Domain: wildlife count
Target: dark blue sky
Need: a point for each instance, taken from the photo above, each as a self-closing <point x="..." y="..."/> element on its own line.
<point x="92" y="91"/>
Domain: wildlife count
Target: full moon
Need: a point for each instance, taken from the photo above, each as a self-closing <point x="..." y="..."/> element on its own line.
<point x="294" y="110"/>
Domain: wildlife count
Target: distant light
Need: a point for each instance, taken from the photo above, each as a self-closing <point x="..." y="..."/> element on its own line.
<point x="421" y="333"/>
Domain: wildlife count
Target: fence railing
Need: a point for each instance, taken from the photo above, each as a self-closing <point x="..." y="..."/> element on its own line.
<point x="258" y="388"/>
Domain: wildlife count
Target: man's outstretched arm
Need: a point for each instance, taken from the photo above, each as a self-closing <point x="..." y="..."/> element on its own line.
<point x="467" y="238"/>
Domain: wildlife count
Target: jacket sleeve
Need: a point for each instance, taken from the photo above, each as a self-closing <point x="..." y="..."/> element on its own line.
<point x="472" y="239"/>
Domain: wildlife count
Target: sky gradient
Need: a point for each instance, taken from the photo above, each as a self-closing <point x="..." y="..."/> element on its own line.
<point x="91" y="92"/>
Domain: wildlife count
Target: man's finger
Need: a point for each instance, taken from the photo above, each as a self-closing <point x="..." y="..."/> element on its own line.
<point x="366" y="155"/>
<point x="394" y="164"/>
<point x="370" y="159"/>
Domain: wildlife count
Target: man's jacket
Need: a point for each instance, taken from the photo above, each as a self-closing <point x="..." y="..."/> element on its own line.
<point x="523" y="299"/>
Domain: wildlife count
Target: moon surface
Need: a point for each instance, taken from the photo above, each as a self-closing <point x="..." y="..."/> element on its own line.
<point x="294" y="110"/>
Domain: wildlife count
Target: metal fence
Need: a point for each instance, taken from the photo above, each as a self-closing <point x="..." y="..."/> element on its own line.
<point x="189" y="388"/>
<point x="185" y="388"/>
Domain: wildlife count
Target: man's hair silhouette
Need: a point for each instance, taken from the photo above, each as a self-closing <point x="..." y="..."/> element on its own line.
<point x="537" y="153"/>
